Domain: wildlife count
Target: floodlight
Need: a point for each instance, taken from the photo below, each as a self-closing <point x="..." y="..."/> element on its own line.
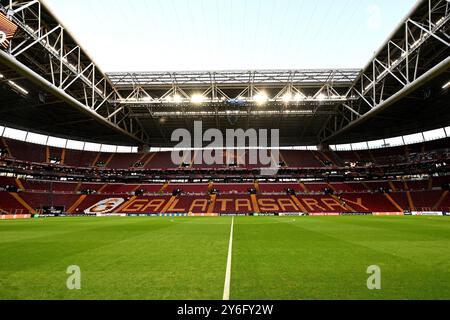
<point x="260" y="98"/>
<point x="177" y="98"/>
<point x="197" y="99"/>
<point x="287" y="97"/>
<point x="299" y="97"/>
<point x="440" y="21"/>
<point x="321" y="97"/>
<point x="16" y="86"/>
<point x="447" y="85"/>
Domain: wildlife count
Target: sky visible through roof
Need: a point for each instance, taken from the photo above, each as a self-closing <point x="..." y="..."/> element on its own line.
<point x="171" y="35"/>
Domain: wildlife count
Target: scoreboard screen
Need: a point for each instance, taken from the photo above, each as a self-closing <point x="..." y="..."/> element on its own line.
<point x="7" y="31"/>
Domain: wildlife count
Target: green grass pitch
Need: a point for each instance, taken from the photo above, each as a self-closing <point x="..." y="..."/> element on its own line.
<point x="185" y="258"/>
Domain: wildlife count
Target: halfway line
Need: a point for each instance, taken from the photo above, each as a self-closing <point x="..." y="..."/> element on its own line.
<point x="226" y="290"/>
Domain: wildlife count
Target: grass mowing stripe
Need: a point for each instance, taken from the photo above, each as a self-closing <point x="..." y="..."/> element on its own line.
<point x="323" y="258"/>
<point x="226" y="290"/>
<point x="272" y="258"/>
<point x="132" y="258"/>
<point x="53" y="247"/>
<point x="399" y="237"/>
<point x="339" y="237"/>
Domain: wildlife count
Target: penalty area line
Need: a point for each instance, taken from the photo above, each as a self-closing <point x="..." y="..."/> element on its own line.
<point x="226" y="289"/>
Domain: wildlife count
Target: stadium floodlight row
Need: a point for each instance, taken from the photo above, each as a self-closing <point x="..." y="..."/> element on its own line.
<point x="235" y="87"/>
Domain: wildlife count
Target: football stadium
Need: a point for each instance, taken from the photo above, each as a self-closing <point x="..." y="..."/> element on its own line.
<point x="252" y="184"/>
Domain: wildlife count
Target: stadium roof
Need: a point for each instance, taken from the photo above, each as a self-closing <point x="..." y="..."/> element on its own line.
<point x="49" y="83"/>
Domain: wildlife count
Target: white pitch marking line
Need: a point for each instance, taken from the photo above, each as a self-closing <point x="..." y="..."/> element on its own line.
<point x="226" y="290"/>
